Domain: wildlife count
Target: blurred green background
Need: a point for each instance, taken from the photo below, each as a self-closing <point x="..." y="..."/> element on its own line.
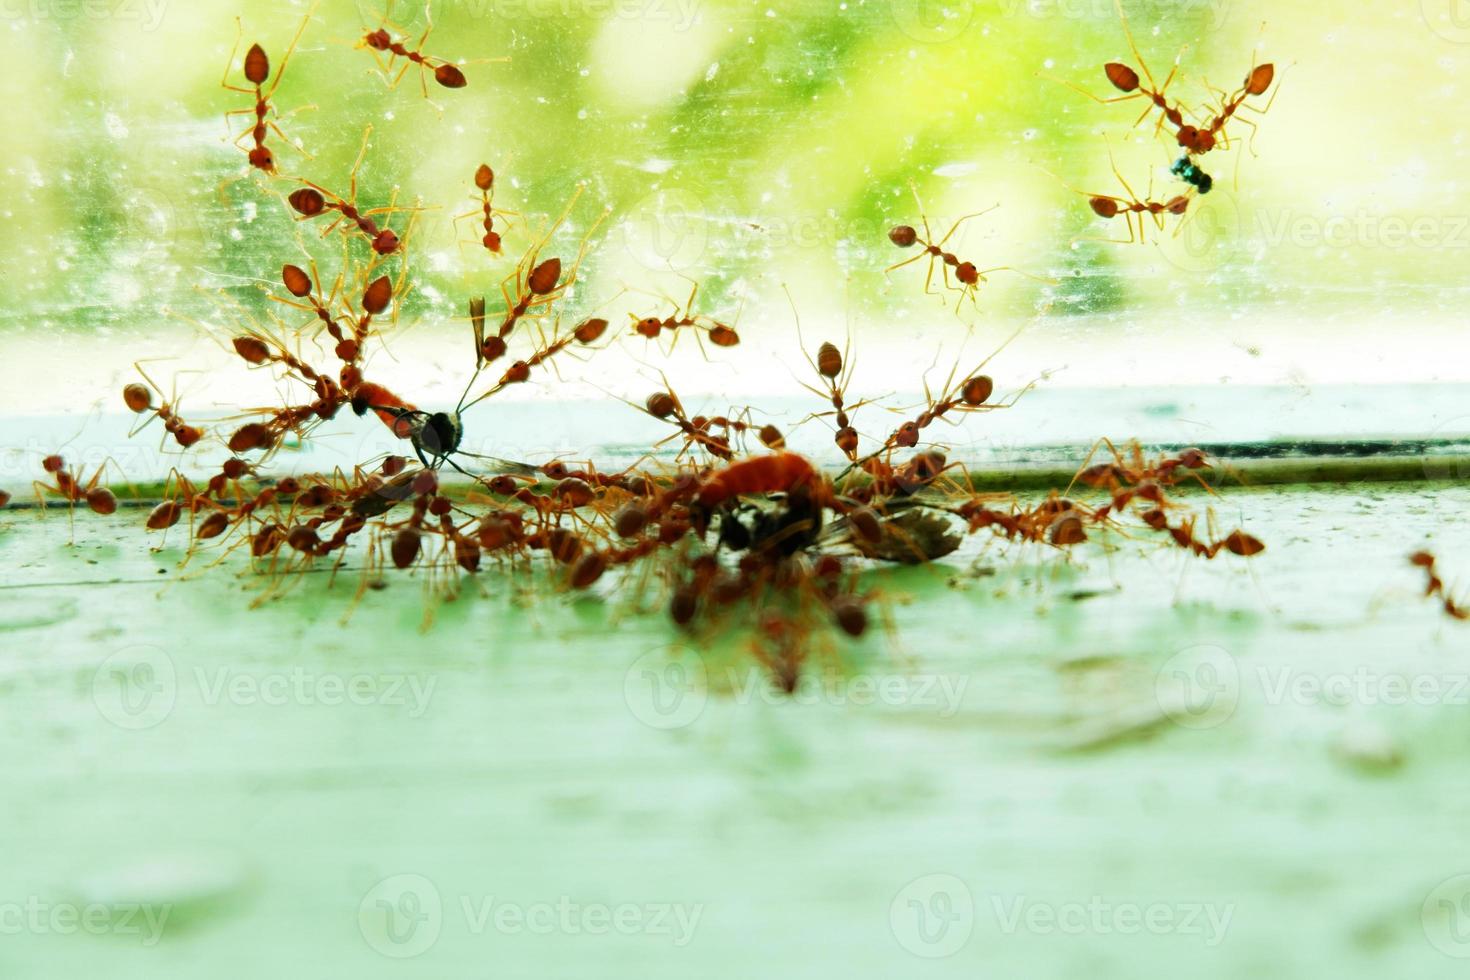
<point x="749" y="145"/>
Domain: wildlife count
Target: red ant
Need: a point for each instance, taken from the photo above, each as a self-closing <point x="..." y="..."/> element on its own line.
<point x="257" y="70"/>
<point x="1135" y="471"/>
<point x="485" y="182"/>
<point x="1257" y="81"/>
<point x="537" y="284"/>
<point x="969" y="277"/>
<point x="720" y="334"/>
<point x="1126" y="80"/>
<point x="380" y="42"/>
<point x="665" y="405"/>
<point x="308" y="287"/>
<point x="1435" y="586"/>
<point x="520" y="371"/>
<point x="1193" y="139"/>
<point x="1131" y="208"/>
<point x="139" y="400"/>
<point x="834" y="367"/>
<point x="313" y="200"/>
<point x="69" y="487"/>
<point x="1236" y="542"/>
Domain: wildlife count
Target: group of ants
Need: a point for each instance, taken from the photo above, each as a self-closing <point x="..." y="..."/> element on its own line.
<point x="724" y="529"/>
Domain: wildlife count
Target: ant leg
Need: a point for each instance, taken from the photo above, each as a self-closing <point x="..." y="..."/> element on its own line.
<point x="286" y="58"/>
<point x="1006" y="268"/>
<point x="1128" y="220"/>
<point x="909" y="261"/>
<point x="357" y="164"/>
<point x="1112" y="161"/>
<point x="1098" y="98"/>
<point x="1133" y="46"/>
<point x="954" y="227"/>
<point x="224" y="79"/>
<point x="397" y="80"/>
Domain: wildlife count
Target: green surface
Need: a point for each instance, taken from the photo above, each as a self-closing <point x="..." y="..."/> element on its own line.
<point x="1128" y="739"/>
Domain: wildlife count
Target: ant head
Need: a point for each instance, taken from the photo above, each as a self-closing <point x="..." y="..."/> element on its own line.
<point x="903" y="235"/>
<point x="1104" y="207"/>
<point x="262" y="159"/>
<point x="1194" y="459"/>
<point x="1196" y="140"/>
<point x="378" y="40"/>
<point x="484" y="177"/>
<point x="966" y="273"/>
<point x="386" y="243"/>
<point x="493" y="348"/>
<point x="1260" y="79"/>
<point x="1177" y="204"/>
<point x="1124" y="79"/>
<point x="258" y="66"/>
<point x="648" y="327"/>
<point x="491" y="241"/>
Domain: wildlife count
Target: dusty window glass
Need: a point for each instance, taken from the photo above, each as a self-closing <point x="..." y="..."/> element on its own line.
<point x="754" y="148"/>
